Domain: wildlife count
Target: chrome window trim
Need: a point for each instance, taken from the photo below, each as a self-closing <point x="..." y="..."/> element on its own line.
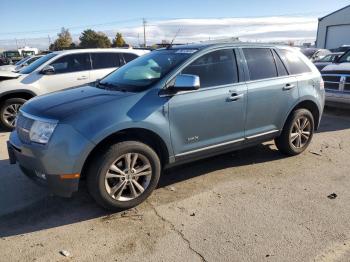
<point x="37" y="118"/>
<point x="203" y="89"/>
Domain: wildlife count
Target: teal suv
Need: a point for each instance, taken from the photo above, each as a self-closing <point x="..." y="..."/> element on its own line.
<point x="168" y="107"/>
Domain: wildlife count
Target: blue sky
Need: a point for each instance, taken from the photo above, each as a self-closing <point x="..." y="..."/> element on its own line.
<point x="38" y="18"/>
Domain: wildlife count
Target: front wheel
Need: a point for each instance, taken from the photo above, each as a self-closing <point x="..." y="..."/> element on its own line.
<point x="8" y="112"/>
<point x="124" y="175"/>
<point x="297" y="133"/>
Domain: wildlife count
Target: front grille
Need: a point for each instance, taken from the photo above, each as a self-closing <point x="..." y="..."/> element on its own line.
<point x="331" y="78"/>
<point x="340" y="82"/>
<point x="23" y="125"/>
<point x="333" y="86"/>
<point x="347" y="87"/>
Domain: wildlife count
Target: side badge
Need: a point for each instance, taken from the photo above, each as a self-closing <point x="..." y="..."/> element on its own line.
<point x="192" y="139"/>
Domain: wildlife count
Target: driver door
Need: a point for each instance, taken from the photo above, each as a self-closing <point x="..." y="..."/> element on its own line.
<point x="212" y="117"/>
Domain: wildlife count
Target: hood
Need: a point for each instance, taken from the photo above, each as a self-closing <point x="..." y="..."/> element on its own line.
<point x="4" y="75"/>
<point x="338" y="67"/>
<point x="60" y="105"/>
<point x="7" y="68"/>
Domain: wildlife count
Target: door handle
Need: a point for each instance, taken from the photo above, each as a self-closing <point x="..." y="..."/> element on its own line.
<point x="82" y="78"/>
<point x="288" y="87"/>
<point x="234" y="96"/>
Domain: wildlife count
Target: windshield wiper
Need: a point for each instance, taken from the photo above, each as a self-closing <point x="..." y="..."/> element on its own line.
<point x="110" y="86"/>
<point x="106" y="85"/>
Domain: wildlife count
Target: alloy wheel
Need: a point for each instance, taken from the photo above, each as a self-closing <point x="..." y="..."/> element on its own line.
<point x="10" y="113"/>
<point x="128" y="176"/>
<point x="301" y="132"/>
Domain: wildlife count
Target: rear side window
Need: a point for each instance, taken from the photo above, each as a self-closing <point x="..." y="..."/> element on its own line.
<point x="129" y="57"/>
<point x="260" y="62"/>
<point x="294" y="64"/>
<point x="281" y="69"/>
<point x="105" y="60"/>
<point x="215" y="68"/>
<point x="71" y="63"/>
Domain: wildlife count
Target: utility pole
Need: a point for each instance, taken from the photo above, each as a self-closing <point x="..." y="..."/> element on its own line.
<point x="48" y="37"/>
<point x="144" y="31"/>
<point x="16" y="43"/>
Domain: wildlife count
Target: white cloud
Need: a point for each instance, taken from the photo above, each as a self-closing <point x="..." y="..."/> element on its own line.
<point x="191" y="30"/>
<point x="247" y="29"/>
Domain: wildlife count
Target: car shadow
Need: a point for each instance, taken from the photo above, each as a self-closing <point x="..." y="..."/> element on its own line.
<point x="52" y="211"/>
<point x="334" y="119"/>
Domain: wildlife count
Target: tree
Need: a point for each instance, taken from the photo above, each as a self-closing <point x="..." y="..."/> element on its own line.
<point x="64" y="40"/>
<point x="119" y="41"/>
<point x="91" y="39"/>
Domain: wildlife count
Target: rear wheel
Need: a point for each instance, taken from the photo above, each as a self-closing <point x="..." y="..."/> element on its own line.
<point x="124" y="175"/>
<point x="297" y="133"/>
<point x="8" y="112"/>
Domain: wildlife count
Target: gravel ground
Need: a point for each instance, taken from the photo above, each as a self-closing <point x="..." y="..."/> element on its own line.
<point x="251" y="205"/>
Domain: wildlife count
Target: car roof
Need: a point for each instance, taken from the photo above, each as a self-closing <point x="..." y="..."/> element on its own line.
<point x="103" y="50"/>
<point x="204" y="45"/>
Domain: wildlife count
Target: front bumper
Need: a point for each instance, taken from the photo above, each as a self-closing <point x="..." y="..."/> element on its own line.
<point x="47" y="164"/>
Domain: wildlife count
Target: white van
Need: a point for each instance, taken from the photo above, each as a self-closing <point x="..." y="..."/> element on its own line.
<point x="57" y="71"/>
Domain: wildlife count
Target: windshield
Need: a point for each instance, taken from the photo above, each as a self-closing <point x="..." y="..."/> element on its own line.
<point x="22" y="61"/>
<point x="144" y="71"/>
<point x="11" y="54"/>
<point x="345" y="58"/>
<point x="327" y="58"/>
<point x="36" y="64"/>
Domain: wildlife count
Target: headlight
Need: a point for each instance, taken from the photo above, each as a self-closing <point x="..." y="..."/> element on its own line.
<point x="40" y="132"/>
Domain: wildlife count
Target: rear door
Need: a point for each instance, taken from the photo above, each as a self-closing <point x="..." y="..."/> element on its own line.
<point x="271" y="92"/>
<point x="104" y="63"/>
<point x="71" y="70"/>
<point x="213" y="116"/>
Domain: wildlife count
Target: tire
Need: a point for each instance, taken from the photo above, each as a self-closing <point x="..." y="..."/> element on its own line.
<point x="10" y="106"/>
<point x="102" y="187"/>
<point x="288" y="142"/>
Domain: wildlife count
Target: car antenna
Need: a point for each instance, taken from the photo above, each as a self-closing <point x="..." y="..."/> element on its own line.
<point x="172" y="41"/>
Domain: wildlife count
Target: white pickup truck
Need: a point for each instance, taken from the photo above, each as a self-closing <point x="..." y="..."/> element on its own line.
<point x="337" y="82"/>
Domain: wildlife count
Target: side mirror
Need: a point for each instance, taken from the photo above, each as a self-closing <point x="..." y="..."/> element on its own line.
<point x="48" y="70"/>
<point x="185" y="82"/>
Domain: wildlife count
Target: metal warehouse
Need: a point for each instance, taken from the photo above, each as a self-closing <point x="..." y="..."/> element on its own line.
<point x="334" y="29"/>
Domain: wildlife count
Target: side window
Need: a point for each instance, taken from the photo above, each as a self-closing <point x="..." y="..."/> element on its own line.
<point x="129" y="57"/>
<point x="105" y="60"/>
<point x="281" y="69"/>
<point x="294" y="64"/>
<point x="260" y="62"/>
<point x="214" y="69"/>
<point x="71" y="63"/>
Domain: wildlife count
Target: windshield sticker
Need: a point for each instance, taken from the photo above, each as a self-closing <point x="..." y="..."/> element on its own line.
<point x="186" y="51"/>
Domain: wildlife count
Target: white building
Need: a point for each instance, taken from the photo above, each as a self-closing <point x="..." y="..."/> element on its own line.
<point x="334" y="29"/>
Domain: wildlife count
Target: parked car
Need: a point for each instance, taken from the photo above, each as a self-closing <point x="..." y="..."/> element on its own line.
<point x="314" y="53"/>
<point x="327" y="60"/>
<point x="343" y="48"/>
<point x="57" y="71"/>
<point x="337" y="82"/>
<point x="20" y="64"/>
<point x="171" y="106"/>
